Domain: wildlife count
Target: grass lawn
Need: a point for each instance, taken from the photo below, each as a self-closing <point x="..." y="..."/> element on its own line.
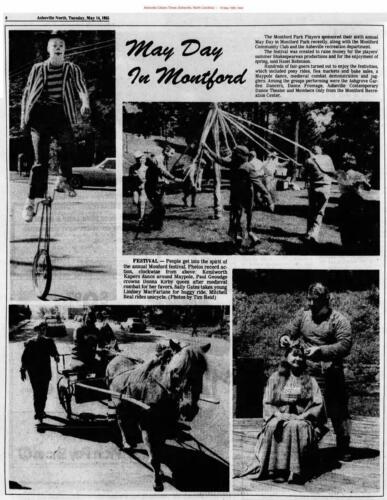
<point x="194" y="231"/>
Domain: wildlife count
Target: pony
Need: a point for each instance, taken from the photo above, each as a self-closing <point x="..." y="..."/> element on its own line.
<point x="169" y="384"/>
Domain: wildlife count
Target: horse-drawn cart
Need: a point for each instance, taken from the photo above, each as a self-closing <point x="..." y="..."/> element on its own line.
<point x="86" y="389"/>
<point x="169" y="385"/>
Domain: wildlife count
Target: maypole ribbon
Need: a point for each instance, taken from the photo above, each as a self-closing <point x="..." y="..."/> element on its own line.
<point x="227" y="129"/>
<point x="222" y="128"/>
<point x="250" y="134"/>
<point x="245" y="132"/>
<point x="270" y="131"/>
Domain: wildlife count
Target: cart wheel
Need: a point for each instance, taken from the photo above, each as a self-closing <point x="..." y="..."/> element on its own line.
<point x="42" y="273"/>
<point x="65" y="399"/>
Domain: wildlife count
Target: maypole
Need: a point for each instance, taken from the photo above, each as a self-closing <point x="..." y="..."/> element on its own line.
<point x="218" y="206"/>
<point x="209" y="124"/>
<point x="206" y="129"/>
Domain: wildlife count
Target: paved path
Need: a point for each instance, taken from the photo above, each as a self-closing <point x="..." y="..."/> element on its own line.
<point x="85" y="458"/>
<point x="83" y="245"/>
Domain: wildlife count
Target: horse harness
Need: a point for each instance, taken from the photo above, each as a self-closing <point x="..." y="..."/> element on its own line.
<point x="163" y="387"/>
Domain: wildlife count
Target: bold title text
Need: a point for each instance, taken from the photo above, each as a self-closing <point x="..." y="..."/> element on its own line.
<point x="177" y="76"/>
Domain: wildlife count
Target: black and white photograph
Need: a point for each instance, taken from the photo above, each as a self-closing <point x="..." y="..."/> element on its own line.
<point x="62" y="166"/>
<point x="262" y="178"/>
<point x="306" y="382"/>
<point x="118" y="399"/>
<point x="194" y="253"/>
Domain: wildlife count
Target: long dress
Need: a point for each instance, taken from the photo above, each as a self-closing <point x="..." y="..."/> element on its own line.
<point x="284" y="445"/>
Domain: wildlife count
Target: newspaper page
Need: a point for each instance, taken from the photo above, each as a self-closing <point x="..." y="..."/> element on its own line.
<point x="195" y="253"/>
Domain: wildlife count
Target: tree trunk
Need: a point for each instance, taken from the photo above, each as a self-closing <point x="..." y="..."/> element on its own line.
<point x="296" y="138"/>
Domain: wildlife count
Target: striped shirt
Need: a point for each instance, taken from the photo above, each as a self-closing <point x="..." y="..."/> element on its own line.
<point x="54" y="84"/>
<point x="73" y="85"/>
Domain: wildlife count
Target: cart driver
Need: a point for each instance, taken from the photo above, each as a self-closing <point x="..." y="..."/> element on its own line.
<point x="106" y="341"/>
<point x="86" y="338"/>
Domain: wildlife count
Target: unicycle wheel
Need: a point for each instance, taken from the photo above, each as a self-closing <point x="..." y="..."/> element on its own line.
<point x="42" y="273"/>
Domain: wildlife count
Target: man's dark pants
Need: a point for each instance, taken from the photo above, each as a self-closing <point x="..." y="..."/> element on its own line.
<point x="155" y="195"/>
<point x="333" y="388"/>
<point x="49" y="121"/>
<point x="336" y="398"/>
<point x="40" y="390"/>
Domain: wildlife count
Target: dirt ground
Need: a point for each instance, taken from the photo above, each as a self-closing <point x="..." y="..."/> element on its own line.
<point x="82" y="249"/>
<point x="84" y="457"/>
<point x="194" y="231"/>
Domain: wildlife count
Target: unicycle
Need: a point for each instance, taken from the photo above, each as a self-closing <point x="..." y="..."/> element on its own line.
<point x="41" y="267"/>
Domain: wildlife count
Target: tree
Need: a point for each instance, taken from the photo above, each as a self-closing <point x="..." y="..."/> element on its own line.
<point x="355" y="128"/>
<point x="340" y="128"/>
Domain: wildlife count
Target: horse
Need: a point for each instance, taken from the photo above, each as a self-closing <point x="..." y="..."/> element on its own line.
<point x="170" y="384"/>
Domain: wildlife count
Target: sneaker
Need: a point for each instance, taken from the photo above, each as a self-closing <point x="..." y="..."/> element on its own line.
<point x="40" y="426"/>
<point x="63" y="186"/>
<point x="346" y="457"/>
<point x="28" y="212"/>
<point x="253" y="237"/>
<point x="344" y="454"/>
<point x="309" y="240"/>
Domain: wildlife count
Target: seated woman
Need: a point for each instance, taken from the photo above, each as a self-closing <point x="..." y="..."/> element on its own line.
<point x="294" y="414"/>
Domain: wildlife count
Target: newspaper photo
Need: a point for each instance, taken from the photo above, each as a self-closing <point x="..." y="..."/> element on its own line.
<point x="273" y="218"/>
<point x="195" y="292"/>
<point x="313" y="413"/>
<point x="52" y="141"/>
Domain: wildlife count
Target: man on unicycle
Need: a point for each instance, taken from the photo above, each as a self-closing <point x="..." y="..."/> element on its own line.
<point x="48" y="109"/>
